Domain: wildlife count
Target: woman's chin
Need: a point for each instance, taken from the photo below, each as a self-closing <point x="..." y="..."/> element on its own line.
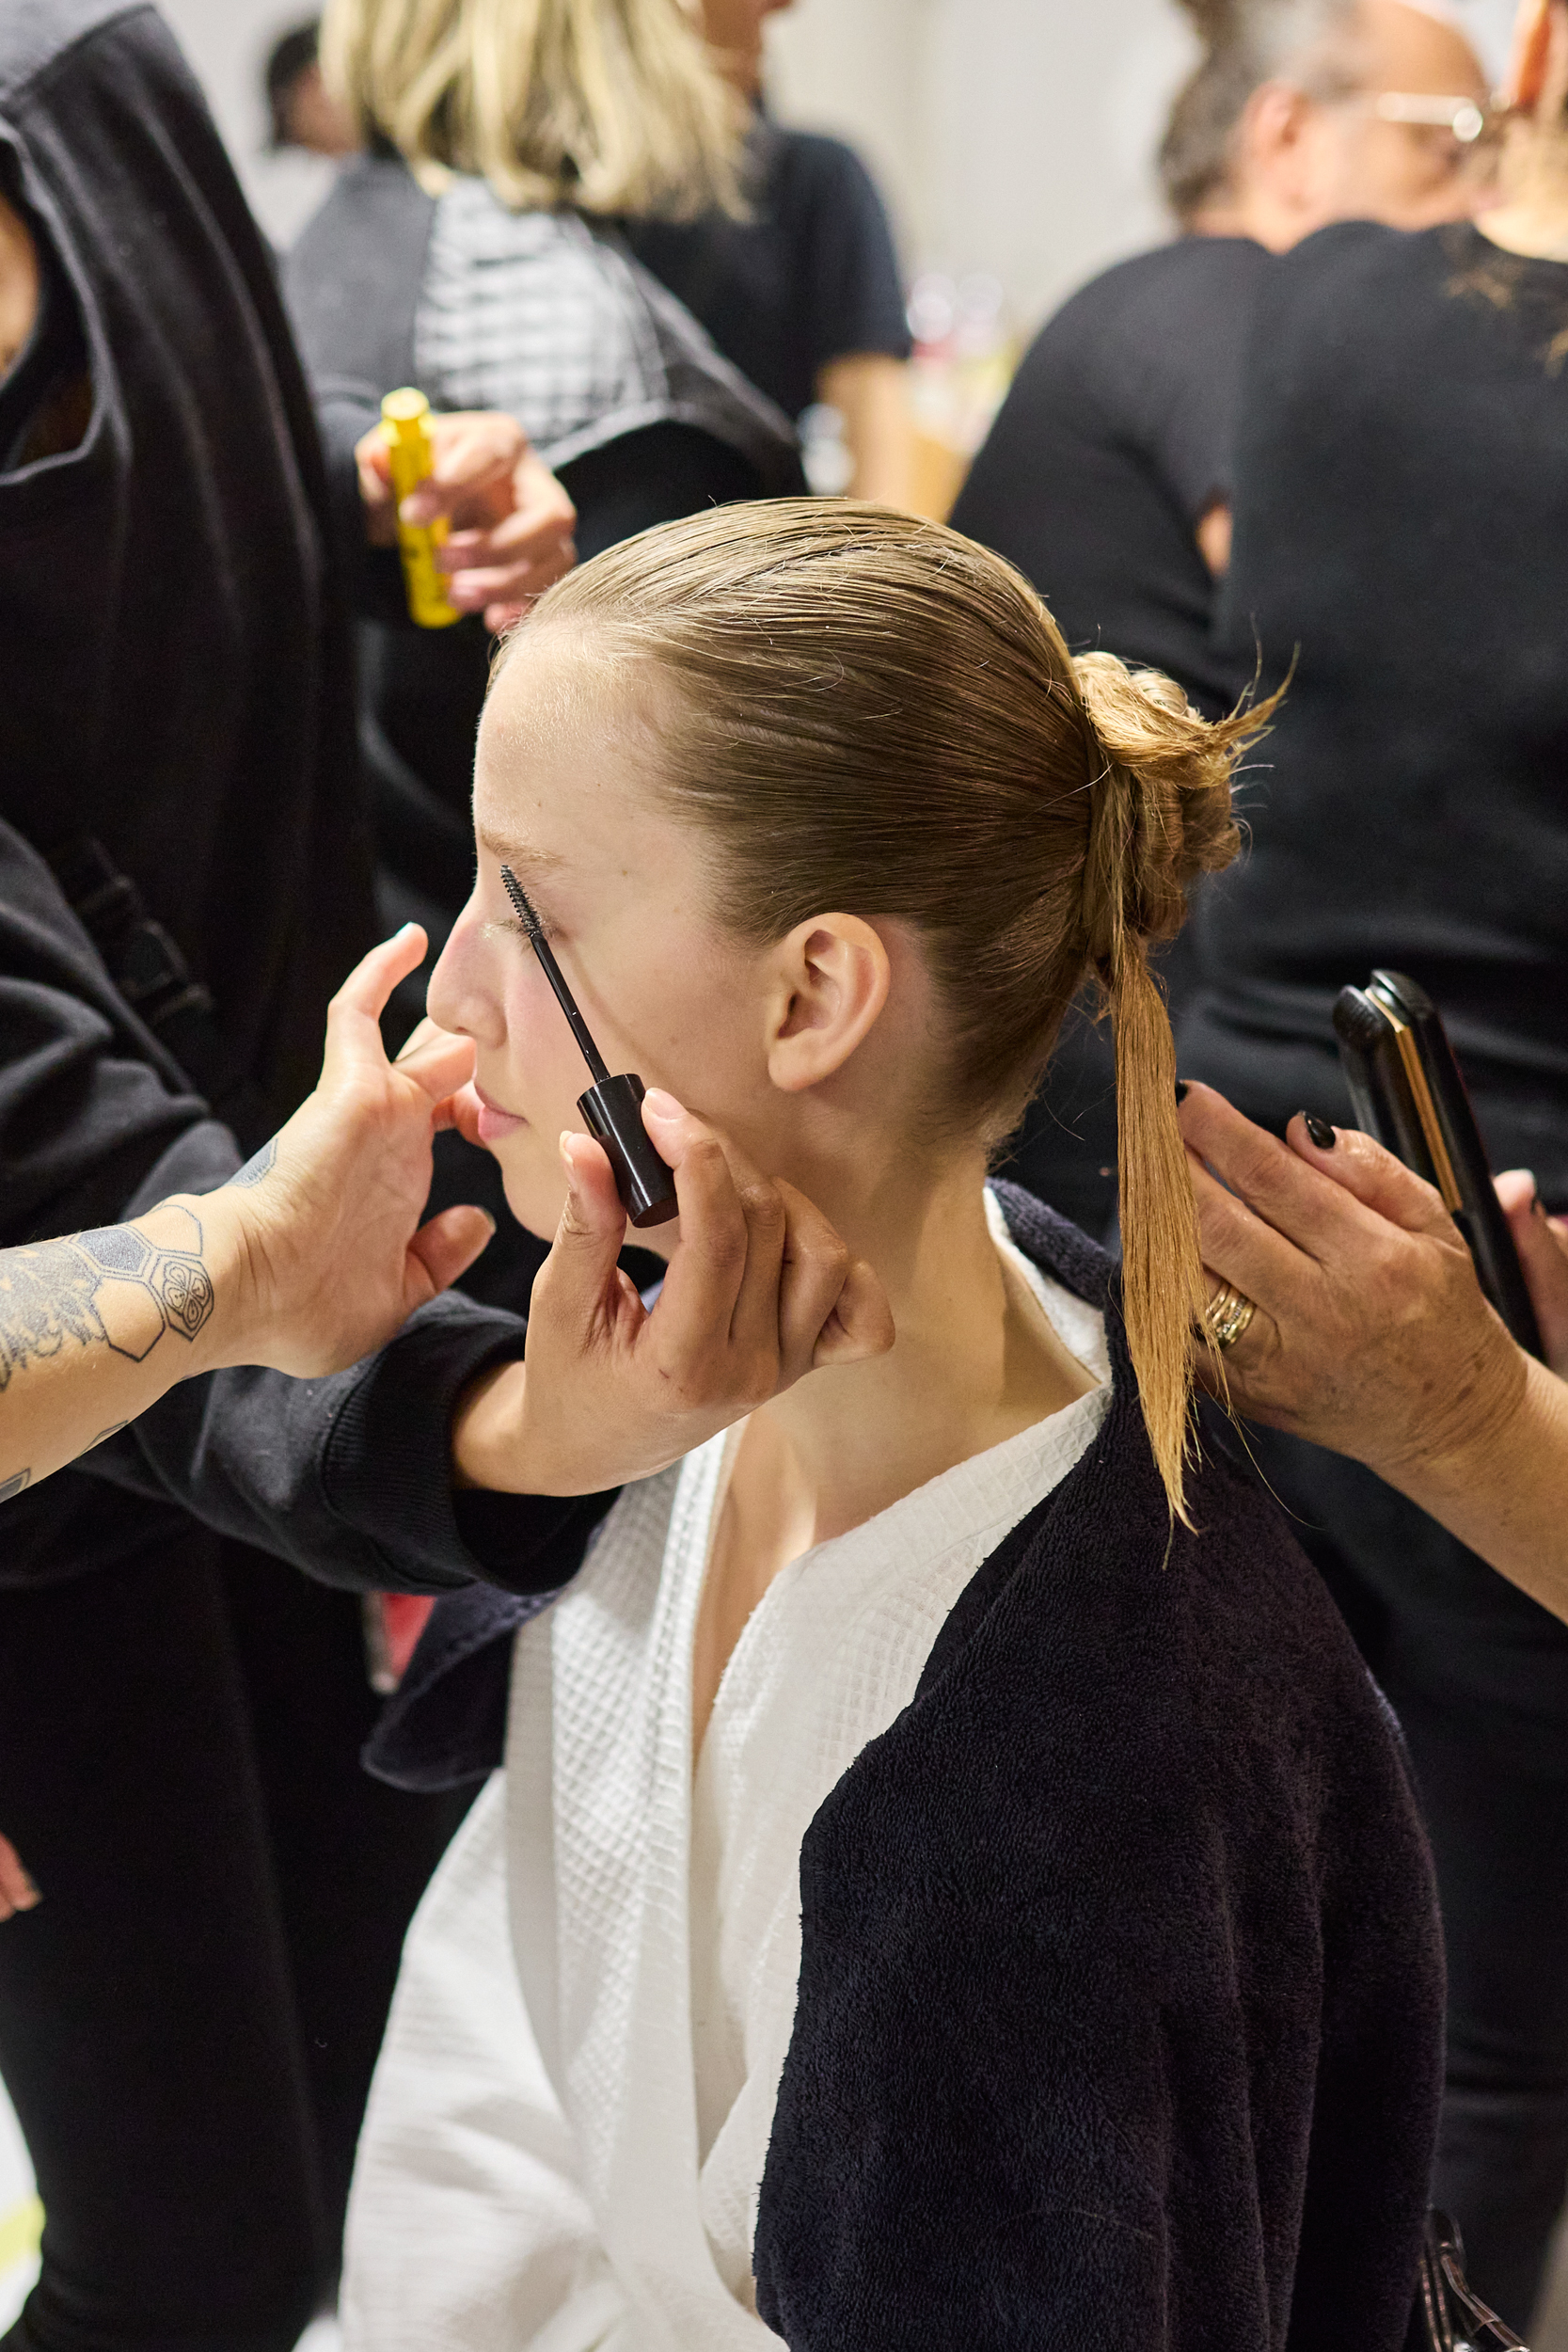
<point x="533" y="1209"/>
<point x="535" y="1194"/>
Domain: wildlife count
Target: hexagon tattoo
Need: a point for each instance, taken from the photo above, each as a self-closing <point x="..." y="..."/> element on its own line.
<point x="111" y="1287"/>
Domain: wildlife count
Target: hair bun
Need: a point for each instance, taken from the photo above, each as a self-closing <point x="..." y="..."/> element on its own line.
<point x="1163" y="813"/>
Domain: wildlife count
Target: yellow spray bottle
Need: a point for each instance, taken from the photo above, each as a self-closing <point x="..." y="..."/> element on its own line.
<point x="406" y="421"/>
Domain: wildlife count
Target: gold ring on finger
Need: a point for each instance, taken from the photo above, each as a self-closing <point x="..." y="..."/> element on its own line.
<point x="1227" y="1315"/>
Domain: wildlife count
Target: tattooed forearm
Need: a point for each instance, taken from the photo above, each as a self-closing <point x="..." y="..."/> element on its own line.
<point x="112" y="1288"/>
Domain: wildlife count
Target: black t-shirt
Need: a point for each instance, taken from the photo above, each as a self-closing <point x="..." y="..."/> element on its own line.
<point x="1114" y="440"/>
<point x="811" y="278"/>
<point x="1401" y="517"/>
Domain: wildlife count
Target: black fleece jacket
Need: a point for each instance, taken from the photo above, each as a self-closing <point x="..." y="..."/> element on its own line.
<point x="177" y="669"/>
<point x="1120" y="2000"/>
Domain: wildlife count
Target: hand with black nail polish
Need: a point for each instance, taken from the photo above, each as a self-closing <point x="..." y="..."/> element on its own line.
<point x="1371" y="1334"/>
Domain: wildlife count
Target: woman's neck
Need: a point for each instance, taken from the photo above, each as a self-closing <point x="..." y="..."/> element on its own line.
<point x="975" y="1361"/>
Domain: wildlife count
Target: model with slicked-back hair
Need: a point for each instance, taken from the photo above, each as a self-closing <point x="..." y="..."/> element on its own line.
<point x="1037" y="818"/>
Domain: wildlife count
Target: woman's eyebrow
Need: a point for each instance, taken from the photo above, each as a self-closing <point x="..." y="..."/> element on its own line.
<point x="518" y="853"/>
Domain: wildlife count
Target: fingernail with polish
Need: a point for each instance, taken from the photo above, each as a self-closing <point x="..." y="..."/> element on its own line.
<point x="662" y="1104"/>
<point x="1320" y="1132"/>
<point x="1182" y="1089"/>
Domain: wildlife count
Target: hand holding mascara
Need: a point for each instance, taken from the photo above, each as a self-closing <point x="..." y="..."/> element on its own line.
<point x="612" y="1108"/>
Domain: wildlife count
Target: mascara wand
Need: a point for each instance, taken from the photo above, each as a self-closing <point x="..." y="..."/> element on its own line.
<point x="612" y="1107"/>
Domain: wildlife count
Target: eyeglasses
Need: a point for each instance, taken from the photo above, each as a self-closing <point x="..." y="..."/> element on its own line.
<point x="1461" y="117"/>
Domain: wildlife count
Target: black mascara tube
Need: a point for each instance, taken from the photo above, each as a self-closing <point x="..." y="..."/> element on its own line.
<point x="612" y="1107"/>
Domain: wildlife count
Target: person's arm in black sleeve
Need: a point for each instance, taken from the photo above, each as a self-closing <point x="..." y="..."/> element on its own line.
<point x="351" y="1478"/>
<point x="95" y="1129"/>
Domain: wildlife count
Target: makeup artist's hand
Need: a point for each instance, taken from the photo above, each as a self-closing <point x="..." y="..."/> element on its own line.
<point x="1372" y="1337"/>
<point x="306" y="1260"/>
<point x="760" y="1292"/>
<point x="511" y="521"/>
<point x="326" y="1219"/>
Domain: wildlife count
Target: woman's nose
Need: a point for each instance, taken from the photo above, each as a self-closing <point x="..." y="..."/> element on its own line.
<point x="461" y="996"/>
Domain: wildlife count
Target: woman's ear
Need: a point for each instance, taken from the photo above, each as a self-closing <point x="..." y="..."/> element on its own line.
<point x="833" y="975"/>
<point x="1532" y="52"/>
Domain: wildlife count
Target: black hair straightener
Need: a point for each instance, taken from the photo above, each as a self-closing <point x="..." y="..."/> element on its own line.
<point x="1408" y="1092"/>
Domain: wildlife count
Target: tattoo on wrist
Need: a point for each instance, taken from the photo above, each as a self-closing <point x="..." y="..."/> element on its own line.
<point x="255" y="1168"/>
<point x="110" y="1288"/>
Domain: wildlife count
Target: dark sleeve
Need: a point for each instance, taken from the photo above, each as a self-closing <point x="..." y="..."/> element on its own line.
<point x="1114" y="437"/>
<point x="94" y="1113"/>
<point x="349" y="1478"/>
<point x="851" y="291"/>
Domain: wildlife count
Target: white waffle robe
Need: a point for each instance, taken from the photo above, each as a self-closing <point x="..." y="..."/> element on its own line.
<point x="569" y="2121"/>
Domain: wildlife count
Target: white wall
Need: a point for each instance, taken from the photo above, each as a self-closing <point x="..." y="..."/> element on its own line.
<point x="1013" y="137"/>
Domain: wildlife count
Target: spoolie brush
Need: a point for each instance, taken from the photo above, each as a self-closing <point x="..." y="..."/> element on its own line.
<point x="612" y="1107"/>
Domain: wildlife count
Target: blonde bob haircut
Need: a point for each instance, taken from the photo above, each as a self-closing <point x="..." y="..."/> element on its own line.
<point x="612" y="107"/>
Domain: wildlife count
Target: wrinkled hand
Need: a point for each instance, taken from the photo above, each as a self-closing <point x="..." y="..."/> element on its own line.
<point x="760" y="1291"/>
<point x="326" y="1218"/>
<point x="1373" y="1336"/>
<point x="511" y="521"/>
<point x="17" y="1891"/>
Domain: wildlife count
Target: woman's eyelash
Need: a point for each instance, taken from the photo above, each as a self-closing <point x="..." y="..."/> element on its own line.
<point x="509" y="923"/>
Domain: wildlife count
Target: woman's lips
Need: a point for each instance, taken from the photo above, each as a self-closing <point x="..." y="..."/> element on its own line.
<point x="494" y="1123"/>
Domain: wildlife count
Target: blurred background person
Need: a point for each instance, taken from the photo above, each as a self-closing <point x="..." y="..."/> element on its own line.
<point x="1106" y="475"/>
<point x="1400" y="492"/>
<point x="803" y="293"/>
<point x="302" y="110"/>
<point x="188" y="2036"/>
<point x="473" y="252"/>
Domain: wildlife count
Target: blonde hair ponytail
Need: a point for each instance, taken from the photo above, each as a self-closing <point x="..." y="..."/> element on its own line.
<point x="1161" y="814"/>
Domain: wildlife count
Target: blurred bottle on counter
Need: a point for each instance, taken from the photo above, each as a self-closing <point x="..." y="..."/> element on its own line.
<point x="965" y="354"/>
